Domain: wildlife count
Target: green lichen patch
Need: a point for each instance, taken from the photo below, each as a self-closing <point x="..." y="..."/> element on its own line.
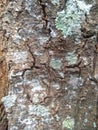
<point x="69" y="20"/>
<point x="71" y="58"/>
<point x="68" y="123"/>
<point x="55" y="63"/>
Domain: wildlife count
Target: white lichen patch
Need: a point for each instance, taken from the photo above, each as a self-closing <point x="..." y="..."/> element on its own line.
<point x="76" y="82"/>
<point x="53" y="33"/>
<point x="16" y="37"/>
<point x="31" y="8"/>
<point x="14" y="128"/>
<point x="94" y="124"/>
<point x="37" y="53"/>
<point x="36" y="92"/>
<point x="86" y="120"/>
<point x="36" y="86"/>
<point x="82" y="6"/>
<point x="69" y="20"/>
<point x="19" y="60"/>
<point x="43" y="39"/>
<point x="17" y="56"/>
<point x="15" y="5"/>
<point x="12" y="74"/>
<point x="55" y="2"/>
<point x="40" y="111"/>
<point x="29" y="127"/>
<point x="56" y="86"/>
<point x="28" y="5"/>
<point x="85" y="60"/>
<point x="9" y="101"/>
<point x="71" y="58"/>
<point x="27" y="121"/>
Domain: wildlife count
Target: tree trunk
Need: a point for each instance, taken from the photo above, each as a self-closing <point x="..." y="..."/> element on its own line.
<point x="49" y="64"/>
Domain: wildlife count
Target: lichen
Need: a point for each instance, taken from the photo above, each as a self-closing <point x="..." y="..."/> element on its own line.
<point x="75" y="82"/>
<point x="68" y="123"/>
<point x="9" y="101"/>
<point x="40" y="111"/>
<point x="55" y="2"/>
<point x="69" y="20"/>
<point x="94" y="124"/>
<point x="55" y="63"/>
<point x="71" y="58"/>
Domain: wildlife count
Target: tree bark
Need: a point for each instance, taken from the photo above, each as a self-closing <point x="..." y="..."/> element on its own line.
<point x="51" y="79"/>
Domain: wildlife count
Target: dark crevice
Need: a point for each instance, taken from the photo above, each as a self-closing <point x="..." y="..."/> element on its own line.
<point x="47" y="25"/>
<point x="44" y="14"/>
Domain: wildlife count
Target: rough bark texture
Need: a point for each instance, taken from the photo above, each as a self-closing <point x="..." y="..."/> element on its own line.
<point x="51" y="81"/>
